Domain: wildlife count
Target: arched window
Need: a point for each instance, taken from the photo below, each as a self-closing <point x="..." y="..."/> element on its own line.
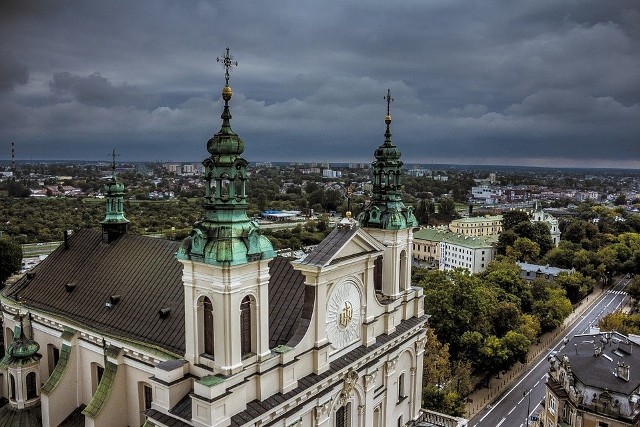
<point x="239" y="188"/>
<point x="53" y="355"/>
<point x="377" y="274"/>
<point x="246" y="326"/>
<point x="32" y="390"/>
<point x="342" y="416"/>
<point x="145" y="398"/>
<point x="12" y="387"/>
<point x="207" y="324"/>
<point x="401" y="388"/>
<point x="96" y="376"/>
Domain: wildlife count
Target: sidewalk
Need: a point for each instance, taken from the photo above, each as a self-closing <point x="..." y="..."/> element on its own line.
<point x="483" y="396"/>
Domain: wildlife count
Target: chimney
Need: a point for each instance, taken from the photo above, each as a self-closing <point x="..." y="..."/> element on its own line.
<point x="623" y="371"/>
<point x="66" y="239"/>
<point x="597" y="351"/>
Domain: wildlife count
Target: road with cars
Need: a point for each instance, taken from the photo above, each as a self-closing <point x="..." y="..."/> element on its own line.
<point x="524" y="396"/>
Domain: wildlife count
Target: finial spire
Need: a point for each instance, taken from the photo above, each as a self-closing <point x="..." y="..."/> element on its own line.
<point x="387" y="119"/>
<point x="227" y="62"/>
<point x="389" y="101"/>
<point x="349" y="194"/>
<point x="113" y="163"/>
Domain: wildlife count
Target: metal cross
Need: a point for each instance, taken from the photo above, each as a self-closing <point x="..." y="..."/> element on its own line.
<point x="113" y="156"/>
<point x="389" y="101"/>
<point x="227" y="63"/>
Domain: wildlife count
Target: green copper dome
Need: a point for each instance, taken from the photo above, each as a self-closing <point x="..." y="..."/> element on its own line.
<point x="114" y="223"/>
<point x="225" y="142"/>
<point x="226" y="235"/>
<point x="23" y="348"/>
<point x="386" y="209"/>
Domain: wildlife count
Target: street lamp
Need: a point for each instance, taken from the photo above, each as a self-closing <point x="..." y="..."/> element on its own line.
<point x="526" y="392"/>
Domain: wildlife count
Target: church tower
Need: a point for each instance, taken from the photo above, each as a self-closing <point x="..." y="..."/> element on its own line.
<point x="225" y="261"/>
<point x="387" y="218"/>
<point x="114" y="223"/>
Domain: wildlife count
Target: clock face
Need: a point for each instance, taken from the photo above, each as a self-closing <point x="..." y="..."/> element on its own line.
<point x="343" y="315"/>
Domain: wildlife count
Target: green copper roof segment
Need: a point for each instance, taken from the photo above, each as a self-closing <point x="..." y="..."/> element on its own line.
<point x="114" y="195"/>
<point x="58" y="371"/>
<point x="100" y="397"/>
<point x="226" y="235"/>
<point x="387" y="210"/>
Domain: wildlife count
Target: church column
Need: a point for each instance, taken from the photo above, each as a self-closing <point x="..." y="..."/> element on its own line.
<point x="416" y="378"/>
<point x="369" y="389"/>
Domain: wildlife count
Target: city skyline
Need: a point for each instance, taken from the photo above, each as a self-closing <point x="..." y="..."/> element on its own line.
<point x="483" y="83"/>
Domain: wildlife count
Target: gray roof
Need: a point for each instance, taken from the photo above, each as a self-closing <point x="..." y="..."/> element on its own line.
<point x="599" y="372"/>
<point x="543" y="269"/>
<point x="329" y="247"/>
<point x="145" y="274"/>
<point x="142" y="271"/>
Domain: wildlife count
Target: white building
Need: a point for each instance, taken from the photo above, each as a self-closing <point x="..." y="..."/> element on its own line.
<point x="450" y="250"/>
<point x="538" y="215"/>
<point x="216" y="330"/>
<point x="470" y="253"/>
<point x="486" y="193"/>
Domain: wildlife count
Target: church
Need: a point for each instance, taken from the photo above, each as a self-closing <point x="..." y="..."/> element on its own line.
<point x="115" y="329"/>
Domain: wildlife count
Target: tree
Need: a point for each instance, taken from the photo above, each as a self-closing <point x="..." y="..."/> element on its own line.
<point x="10" y="258"/>
<point x="553" y="306"/>
<point x="424" y="211"/>
<point x="625" y="323"/>
<point x="494" y="355"/>
<point x="620" y="200"/>
<point x="442" y="391"/>
<point x="609" y="264"/>
<point x="506" y="318"/>
<point x="542" y="237"/>
<point x="16" y="189"/>
<point x="562" y="256"/>
<point x="524" y="249"/>
<point x="529" y="327"/>
<point x="457" y="302"/>
<point x="634" y="288"/>
<point x="512" y="218"/>
<point x="507" y="238"/>
<point x="575" y="285"/>
<point x="516" y="346"/>
<point x="447" y="207"/>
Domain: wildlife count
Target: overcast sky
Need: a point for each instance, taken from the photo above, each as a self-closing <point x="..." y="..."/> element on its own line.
<point x="520" y="82"/>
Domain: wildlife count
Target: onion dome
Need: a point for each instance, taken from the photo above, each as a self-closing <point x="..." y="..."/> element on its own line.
<point x="226" y="235"/>
<point x="23" y="348"/>
<point x="386" y="209"/>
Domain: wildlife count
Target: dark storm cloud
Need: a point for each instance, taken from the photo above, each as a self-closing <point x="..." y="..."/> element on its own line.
<point x="473" y="82"/>
<point x="12" y="73"/>
<point x="95" y="90"/>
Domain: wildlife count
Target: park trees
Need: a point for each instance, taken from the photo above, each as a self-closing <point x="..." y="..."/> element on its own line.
<point x="490" y="319"/>
<point x="575" y="285"/>
<point x="512" y="218"/>
<point x="445" y="382"/>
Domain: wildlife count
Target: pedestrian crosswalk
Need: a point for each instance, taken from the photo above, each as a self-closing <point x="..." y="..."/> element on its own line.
<point x="616" y="292"/>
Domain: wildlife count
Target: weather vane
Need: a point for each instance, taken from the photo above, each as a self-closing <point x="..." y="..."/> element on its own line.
<point x="227" y="62"/>
<point x="389" y="101"/>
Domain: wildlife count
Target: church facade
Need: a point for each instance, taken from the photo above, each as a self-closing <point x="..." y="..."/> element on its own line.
<point x="114" y="329"/>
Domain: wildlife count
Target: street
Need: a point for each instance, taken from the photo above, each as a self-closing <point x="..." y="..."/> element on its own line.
<point x="525" y="395"/>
